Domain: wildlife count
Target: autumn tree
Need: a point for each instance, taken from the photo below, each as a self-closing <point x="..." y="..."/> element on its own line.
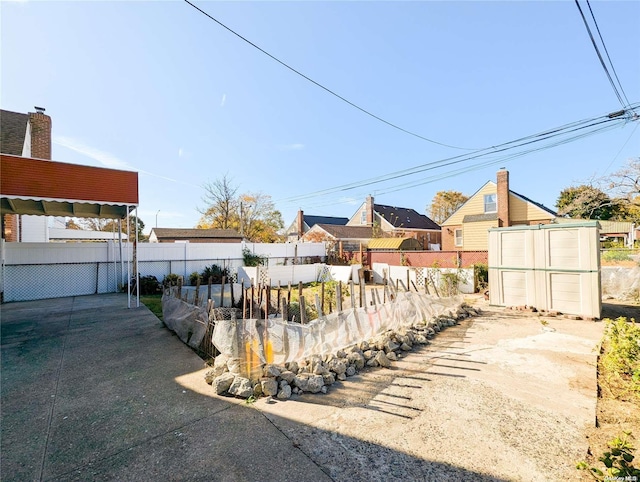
<point x="587" y="202"/>
<point x="444" y="204"/>
<point x="109" y="225"/>
<point x="252" y="214"/>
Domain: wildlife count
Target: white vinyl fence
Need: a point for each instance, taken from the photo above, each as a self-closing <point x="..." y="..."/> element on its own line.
<point x="32" y="271"/>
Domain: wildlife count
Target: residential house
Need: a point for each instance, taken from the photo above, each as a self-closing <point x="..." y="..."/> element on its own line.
<point x="341" y="241"/>
<point x="621" y="232"/>
<point x="25" y="135"/>
<point x="305" y="222"/>
<point x="393" y="221"/>
<point x="185" y="235"/>
<point x="493" y="205"/>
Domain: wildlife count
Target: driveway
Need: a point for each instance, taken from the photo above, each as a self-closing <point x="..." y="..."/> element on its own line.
<point x="92" y="390"/>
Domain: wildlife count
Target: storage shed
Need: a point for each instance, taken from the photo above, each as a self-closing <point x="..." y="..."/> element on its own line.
<point x="397" y="244"/>
<point x="551" y="267"/>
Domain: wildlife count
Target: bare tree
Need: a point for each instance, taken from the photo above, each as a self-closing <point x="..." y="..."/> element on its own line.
<point x="625" y="183"/>
<point x="221" y="204"/>
<point x="444" y="204"/>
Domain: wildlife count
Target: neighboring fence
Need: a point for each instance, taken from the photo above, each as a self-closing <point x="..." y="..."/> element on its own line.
<point x="32" y="271"/>
<point x="428" y="259"/>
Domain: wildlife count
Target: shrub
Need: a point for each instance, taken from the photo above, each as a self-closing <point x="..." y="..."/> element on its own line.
<point x="621" y="358"/>
<point x="481" y="276"/>
<point x="149" y="285"/>
<point x="215" y="272"/>
<point x="170" y="280"/>
<point x="616" y="255"/>
<point x="251" y="259"/>
<point x="194" y="277"/>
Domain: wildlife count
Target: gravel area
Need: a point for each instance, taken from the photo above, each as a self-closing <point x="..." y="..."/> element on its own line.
<point x="499" y="397"/>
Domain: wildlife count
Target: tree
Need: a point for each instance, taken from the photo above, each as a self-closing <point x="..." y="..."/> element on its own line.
<point x="586" y="202"/>
<point x="221" y="204"/>
<point x="625" y="185"/>
<point x="252" y="214"/>
<point x="109" y="225"/>
<point x="444" y="204"/>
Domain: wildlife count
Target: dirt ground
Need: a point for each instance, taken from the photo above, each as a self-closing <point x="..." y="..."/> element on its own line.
<point x="498" y="397"/>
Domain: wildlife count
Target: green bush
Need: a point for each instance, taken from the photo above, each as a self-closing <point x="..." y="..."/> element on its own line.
<point x="616" y="255"/>
<point x="622" y="354"/>
<point x="170" y="280"/>
<point x="215" y="272"/>
<point x="149" y="285"/>
<point x="194" y="277"/>
<point x="251" y="259"/>
<point x="481" y="276"/>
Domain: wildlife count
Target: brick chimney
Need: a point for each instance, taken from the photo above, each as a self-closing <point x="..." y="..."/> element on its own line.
<point x="300" y="223"/>
<point x="503" y="198"/>
<point x="40" y="127"/>
<point x="369" y="209"/>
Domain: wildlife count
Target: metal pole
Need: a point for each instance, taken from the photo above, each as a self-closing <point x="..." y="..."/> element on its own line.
<point x="135" y="253"/>
<point x="128" y="262"/>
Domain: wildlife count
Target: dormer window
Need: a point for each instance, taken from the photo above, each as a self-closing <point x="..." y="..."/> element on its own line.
<point x="490" y="203"/>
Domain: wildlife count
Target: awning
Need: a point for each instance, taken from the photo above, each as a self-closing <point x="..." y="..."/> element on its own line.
<point x="49" y="188"/>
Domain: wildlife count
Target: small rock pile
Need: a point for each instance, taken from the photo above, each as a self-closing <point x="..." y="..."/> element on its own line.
<point x="317" y="373"/>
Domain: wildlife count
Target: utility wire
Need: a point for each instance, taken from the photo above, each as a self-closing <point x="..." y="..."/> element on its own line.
<point x="391" y="124"/>
<point x="607" y="52"/>
<point x="595" y="46"/>
<point x="482" y="153"/>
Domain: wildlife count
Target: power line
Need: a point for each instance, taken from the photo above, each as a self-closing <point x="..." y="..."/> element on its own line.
<point x="481" y="153"/>
<point x="607" y="52"/>
<point x="391" y="124"/>
<point x="602" y="62"/>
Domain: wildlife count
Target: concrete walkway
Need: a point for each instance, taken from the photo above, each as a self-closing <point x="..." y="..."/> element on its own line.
<point x="92" y="390"/>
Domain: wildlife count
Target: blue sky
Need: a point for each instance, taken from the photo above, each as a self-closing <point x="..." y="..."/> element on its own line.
<point x="158" y="88"/>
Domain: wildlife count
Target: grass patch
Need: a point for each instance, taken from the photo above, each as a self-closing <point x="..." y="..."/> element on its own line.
<point x="154" y="303"/>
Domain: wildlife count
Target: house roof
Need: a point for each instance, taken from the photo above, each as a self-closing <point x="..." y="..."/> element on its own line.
<point x="13" y="129"/>
<point x="541" y="206"/>
<point x="347" y="232"/>
<point x="181" y="233"/>
<point x="394" y="243"/>
<point x="313" y="220"/>
<point x="405" y="218"/>
<point x="35" y="186"/>
<point x="606" y="227"/>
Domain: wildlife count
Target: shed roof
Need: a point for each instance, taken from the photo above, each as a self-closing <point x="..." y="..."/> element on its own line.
<point x="35" y="186"/>
<point x="347" y="232"/>
<point x="395" y="243"/>
<point x="184" y="233"/>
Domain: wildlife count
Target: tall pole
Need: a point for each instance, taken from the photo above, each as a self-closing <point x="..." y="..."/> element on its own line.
<point x="157" y="218"/>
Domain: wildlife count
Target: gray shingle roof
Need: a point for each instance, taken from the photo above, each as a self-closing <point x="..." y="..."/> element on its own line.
<point x="13" y="129"/>
<point x="313" y="220"/>
<point x="181" y="233"/>
<point x="348" y="232"/>
<point x="405" y="218"/>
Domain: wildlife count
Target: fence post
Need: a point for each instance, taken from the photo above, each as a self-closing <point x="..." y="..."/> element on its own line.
<point x="339" y="296"/>
<point x="303" y="311"/>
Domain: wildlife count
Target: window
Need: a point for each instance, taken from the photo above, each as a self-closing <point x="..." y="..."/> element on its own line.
<point x="458" y="236"/>
<point x="490" y="205"/>
<point x="363" y="217"/>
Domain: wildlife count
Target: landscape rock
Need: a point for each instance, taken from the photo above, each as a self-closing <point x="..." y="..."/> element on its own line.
<point x="293" y="367"/>
<point x="287" y="376"/>
<point x="271" y="371"/>
<point x="337" y="366"/>
<point x="284" y="393"/>
<point x="315" y="383"/>
<point x="351" y="370"/>
<point x="329" y="378"/>
<point x="241" y="387"/>
<point x="405" y="347"/>
<point x="382" y="359"/>
<point x="301" y="381"/>
<point x="356" y="359"/>
<point x="222" y="383"/>
<point x="269" y="386"/>
<point x="392" y="356"/>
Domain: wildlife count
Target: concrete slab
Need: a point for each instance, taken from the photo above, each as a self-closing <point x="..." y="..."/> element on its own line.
<point x="92" y="390"/>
